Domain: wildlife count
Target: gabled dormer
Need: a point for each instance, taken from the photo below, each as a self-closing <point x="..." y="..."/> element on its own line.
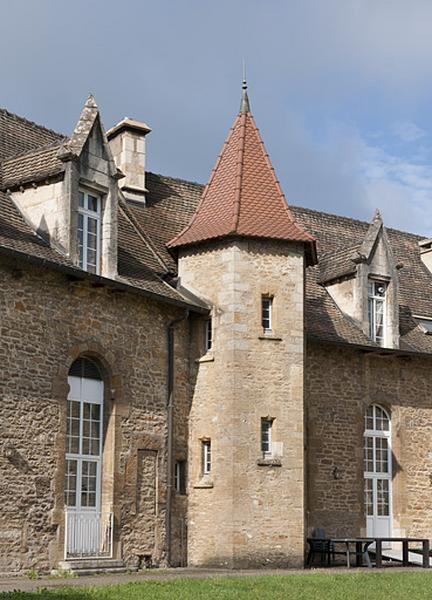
<point x="363" y="281"/>
<point x="74" y="202"/>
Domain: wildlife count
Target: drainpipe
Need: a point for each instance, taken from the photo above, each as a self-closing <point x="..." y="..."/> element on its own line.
<point x="170" y="413"/>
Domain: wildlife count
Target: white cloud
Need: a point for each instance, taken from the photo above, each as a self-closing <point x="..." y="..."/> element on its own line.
<point x="407" y="131"/>
<point x="350" y="175"/>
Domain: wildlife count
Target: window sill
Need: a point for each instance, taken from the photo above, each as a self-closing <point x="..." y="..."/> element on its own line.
<point x="269" y="462"/>
<point x="270" y="336"/>
<point x="206" y="358"/>
<point x="204" y="483"/>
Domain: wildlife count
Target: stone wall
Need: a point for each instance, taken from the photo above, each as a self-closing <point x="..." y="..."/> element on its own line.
<point x="340" y="384"/>
<point x="46" y="322"/>
<point x="247" y="511"/>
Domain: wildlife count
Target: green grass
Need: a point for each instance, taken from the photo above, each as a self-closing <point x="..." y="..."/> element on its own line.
<point x="389" y="585"/>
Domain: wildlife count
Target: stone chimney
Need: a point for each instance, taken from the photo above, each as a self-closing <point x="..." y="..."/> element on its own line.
<point x="127" y="143"/>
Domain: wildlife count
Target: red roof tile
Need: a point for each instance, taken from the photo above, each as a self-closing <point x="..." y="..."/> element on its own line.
<point x="243" y="196"/>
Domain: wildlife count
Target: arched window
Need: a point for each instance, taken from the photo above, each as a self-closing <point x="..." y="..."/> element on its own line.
<point x="84" y="436"/>
<point x="377" y="471"/>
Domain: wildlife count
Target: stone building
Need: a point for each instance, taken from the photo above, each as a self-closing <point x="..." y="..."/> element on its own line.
<point x="195" y="375"/>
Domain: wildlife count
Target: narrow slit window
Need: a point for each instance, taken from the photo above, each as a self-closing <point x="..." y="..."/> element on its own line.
<point x="208" y="335"/>
<point x="206" y="456"/>
<point x="266" y="437"/>
<point x="266" y="313"/>
<point x="180" y="477"/>
<point x="89" y="232"/>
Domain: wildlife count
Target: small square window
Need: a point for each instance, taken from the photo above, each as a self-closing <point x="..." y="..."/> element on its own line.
<point x="266" y="313"/>
<point x="206" y="457"/>
<point x="180" y="477"/>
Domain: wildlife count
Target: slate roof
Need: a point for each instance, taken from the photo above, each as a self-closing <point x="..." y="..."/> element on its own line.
<point x="145" y="263"/>
<point x="19" y="136"/>
<point x="33" y="166"/>
<point x="243" y="196"/>
<point x="336" y="235"/>
<point x="170" y="205"/>
<point x="340" y="263"/>
<point x="30" y="160"/>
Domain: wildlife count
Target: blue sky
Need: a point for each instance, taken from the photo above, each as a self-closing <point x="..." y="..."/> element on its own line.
<point x="340" y="89"/>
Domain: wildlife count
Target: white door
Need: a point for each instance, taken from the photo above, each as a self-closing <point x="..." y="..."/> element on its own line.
<point x="378" y="472"/>
<point x="83" y="458"/>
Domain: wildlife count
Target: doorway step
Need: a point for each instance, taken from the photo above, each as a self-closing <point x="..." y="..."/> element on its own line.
<point x="93" y="566"/>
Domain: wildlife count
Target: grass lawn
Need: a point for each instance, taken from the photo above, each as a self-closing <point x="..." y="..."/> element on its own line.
<point x="386" y="585"/>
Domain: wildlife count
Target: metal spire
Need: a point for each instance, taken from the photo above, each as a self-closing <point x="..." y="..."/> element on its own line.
<point x="244" y="104"/>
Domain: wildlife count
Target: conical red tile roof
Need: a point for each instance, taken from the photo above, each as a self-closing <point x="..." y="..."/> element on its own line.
<point x="243" y="196"/>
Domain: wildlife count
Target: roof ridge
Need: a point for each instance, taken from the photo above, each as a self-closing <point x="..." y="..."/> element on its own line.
<point x="131" y="218"/>
<point x="188" y="181"/>
<point x="353" y="220"/>
<point x="32" y="123"/>
<point x="240" y="168"/>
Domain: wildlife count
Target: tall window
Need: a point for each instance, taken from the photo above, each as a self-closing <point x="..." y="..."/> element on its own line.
<point x="180" y="477"/>
<point x="377" y="310"/>
<point x="84" y="436"/>
<point x="89" y="228"/>
<point x="206" y="456"/>
<point x="266" y="313"/>
<point x="266" y="436"/>
<point x="377" y="471"/>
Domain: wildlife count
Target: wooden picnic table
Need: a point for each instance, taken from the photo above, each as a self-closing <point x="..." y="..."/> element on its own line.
<point x="362" y="546"/>
<point x="405" y="549"/>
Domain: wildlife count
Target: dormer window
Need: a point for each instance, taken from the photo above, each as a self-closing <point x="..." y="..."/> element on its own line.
<point x="89" y="231"/>
<point x="377" y="310"/>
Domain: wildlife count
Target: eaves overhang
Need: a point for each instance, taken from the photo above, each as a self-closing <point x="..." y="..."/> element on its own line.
<point x="377" y="350"/>
<point x="98" y="280"/>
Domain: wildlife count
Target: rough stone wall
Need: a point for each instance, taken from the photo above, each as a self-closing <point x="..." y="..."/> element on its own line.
<point x="247" y="511"/>
<point x="340" y="384"/>
<point x="46" y="322"/>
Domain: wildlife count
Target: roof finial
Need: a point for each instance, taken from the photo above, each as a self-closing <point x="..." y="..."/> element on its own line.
<point x="244" y="104"/>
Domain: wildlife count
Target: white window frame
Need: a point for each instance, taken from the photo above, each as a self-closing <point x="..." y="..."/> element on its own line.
<point x="267" y="306"/>
<point x="206" y="456"/>
<point x="373" y="300"/>
<point x="97" y="216"/>
<point x="376" y="475"/>
<point x="80" y="457"/>
<point x="266" y="445"/>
